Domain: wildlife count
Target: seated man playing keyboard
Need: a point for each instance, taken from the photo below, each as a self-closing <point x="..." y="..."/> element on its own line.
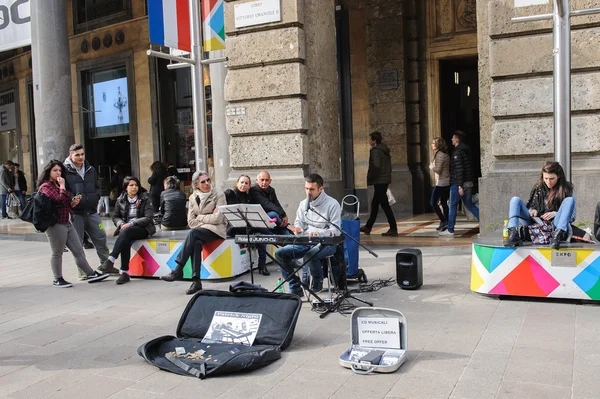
<point x="308" y="222"/>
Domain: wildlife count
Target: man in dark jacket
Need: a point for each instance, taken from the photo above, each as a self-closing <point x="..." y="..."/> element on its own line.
<point x="82" y="179"/>
<point x="6" y="185"/>
<point x="461" y="181"/>
<point x="379" y="176"/>
<point x="20" y="185"/>
<point x="263" y="194"/>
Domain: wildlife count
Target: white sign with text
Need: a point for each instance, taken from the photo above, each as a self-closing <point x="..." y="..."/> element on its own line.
<point x="257" y="13"/>
<point x="378" y="332"/>
<point x="15" y="24"/>
<point x="8" y="120"/>
<point x="525" y="3"/>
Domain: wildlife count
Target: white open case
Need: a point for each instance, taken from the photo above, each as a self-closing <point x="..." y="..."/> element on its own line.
<point x="378" y="341"/>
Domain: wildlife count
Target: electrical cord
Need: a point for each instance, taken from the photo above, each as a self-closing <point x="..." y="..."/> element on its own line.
<point x="373" y="286"/>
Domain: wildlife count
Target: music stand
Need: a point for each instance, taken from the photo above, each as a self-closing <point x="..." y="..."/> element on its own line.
<point x="248" y="216"/>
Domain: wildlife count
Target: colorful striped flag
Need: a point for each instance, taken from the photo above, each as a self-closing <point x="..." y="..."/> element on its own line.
<point x="213" y="24"/>
<point x="169" y="22"/>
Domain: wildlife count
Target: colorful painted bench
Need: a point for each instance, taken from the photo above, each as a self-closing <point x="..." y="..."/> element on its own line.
<point x="155" y="257"/>
<point x="573" y="272"/>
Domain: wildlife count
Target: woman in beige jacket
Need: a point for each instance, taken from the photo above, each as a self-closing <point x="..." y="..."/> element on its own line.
<point x="207" y="224"/>
<point x="440" y="165"/>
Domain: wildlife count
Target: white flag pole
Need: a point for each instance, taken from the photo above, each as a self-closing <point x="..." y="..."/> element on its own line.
<point x="198" y="95"/>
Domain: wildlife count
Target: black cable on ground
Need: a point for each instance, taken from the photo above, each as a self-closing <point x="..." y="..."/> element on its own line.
<point x="373" y="286"/>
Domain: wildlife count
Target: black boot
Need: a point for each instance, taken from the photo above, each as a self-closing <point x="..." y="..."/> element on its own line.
<point x="174" y="275"/>
<point x="514" y="240"/>
<point x="558" y="236"/>
<point x="195" y="287"/>
<point x="262" y="269"/>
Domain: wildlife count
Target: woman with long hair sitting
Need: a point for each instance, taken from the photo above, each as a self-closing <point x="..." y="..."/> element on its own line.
<point x="552" y="199"/>
<point x="134" y="218"/>
<point x="52" y="185"/>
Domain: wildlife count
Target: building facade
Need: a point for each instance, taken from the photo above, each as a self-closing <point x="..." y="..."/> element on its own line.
<point x="300" y="95"/>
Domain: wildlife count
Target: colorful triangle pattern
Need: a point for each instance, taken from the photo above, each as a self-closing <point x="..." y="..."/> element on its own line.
<point x="529" y="278"/>
<point x="589" y="279"/>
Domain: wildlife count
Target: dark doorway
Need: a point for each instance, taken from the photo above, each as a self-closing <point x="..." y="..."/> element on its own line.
<point x="459" y="104"/>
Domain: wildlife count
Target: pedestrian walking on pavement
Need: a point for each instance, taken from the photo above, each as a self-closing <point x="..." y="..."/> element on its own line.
<point x="6" y="185"/>
<point x="379" y="176"/>
<point x="440" y="165"/>
<point x="52" y="185"/>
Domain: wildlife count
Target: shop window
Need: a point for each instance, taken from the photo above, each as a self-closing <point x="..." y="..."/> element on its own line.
<point x="106" y="106"/>
<point x="107" y="103"/>
<point x="92" y="14"/>
<point x="9" y="148"/>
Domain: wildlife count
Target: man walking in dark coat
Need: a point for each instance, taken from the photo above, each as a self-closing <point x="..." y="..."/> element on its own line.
<point x="379" y="176"/>
<point x="461" y="181"/>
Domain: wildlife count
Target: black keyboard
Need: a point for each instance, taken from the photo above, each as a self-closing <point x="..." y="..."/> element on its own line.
<point x="289" y="239"/>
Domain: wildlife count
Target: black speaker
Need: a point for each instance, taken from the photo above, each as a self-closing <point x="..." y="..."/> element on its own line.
<point x="409" y="269"/>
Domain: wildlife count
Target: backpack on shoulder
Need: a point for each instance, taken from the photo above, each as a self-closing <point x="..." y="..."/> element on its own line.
<point x="40" y="211"/>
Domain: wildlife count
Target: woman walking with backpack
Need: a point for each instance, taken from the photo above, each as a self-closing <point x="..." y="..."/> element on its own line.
<point x="52" y="185"/>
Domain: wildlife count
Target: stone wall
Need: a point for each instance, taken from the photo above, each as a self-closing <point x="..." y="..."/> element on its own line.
<point x="515" y="78"/>
<point x="281" y="91"/>
<point x="377" y="52"/>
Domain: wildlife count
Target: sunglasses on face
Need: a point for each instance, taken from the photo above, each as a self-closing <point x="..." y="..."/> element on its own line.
<point x="205" y="181"/>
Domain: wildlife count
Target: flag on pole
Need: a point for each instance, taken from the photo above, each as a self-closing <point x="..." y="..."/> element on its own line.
<point x="213" y="24"/>
<point x="169" y="22"/>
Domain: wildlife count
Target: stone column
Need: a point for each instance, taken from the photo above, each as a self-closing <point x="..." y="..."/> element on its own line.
<point x="220" y="137"/>
<point x="51" y="79"/>
<point x="281" y="90"/>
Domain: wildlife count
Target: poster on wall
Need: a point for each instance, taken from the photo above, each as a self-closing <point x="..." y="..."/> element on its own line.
<point x="111" y="103"/>
<point x="525" y="3"/>
<point x="15" y="24"/>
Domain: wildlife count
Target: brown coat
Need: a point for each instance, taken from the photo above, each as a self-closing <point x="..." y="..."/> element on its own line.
<point x="441" y="167"/>
<point x="201" y="213"/>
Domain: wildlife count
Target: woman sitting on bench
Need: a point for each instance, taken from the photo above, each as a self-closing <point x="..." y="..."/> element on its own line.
<point x="134" y="217"/>
<point x="552" y="199"/>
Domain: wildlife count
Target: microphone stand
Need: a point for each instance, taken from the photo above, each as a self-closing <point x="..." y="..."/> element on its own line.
<point x="346" y="293"/>
<point x="248" y="231"/>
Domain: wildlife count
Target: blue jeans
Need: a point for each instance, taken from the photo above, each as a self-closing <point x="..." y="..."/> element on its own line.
<point x="517" y="211"/>
<point x="21" y="199"/>
<point x="287" y="255"/>
<point x="454" y="200"/>
<point x="4" y="210"/>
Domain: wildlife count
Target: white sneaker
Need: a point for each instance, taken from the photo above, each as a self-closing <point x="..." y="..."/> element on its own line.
<point x="446" y="233"/>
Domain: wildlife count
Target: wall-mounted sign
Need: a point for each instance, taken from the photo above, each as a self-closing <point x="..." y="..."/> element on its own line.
<point x="8" y="121"/>
<point x="564" y="259"/>
<point x="257" y="13"/>
<point x="15" y="24"/>
<point x="525" y="3"/>
<point x="388" y="80"/>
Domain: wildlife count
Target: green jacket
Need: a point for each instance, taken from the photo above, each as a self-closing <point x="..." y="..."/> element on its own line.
<point x="380" y="165"/>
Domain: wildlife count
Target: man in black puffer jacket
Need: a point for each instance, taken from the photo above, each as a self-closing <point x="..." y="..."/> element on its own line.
<point x="82" y="179"/>
<point x="461" y="181"/>
<point x="379" y="176"/>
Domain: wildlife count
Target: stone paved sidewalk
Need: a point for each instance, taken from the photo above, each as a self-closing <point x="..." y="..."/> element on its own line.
<point x="81" y="342"/>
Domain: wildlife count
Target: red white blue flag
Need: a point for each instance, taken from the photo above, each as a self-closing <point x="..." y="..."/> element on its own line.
<point x="169" y="22"/>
